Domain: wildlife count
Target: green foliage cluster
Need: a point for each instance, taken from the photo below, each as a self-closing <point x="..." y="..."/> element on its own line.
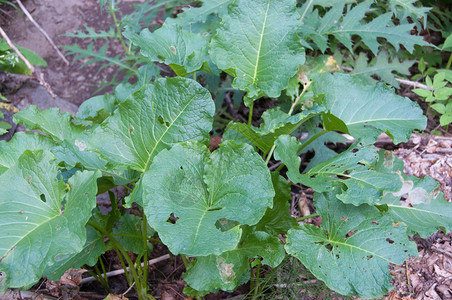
<point x="224" y="210"/>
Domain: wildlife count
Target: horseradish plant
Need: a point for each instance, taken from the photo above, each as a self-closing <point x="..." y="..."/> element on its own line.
<point x="224" y="209"/>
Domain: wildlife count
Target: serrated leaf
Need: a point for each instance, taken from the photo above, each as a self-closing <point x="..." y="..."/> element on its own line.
<point x="353" y="247"/>
<point x="382" y="67"/>
<point x="90" y="33"/>
<point x="128" y="232"/>
<point x="277" y="219"/>
<point x="369" y="111"/>
<point x="343" y="27"/>
<point x="183" y="51"/>
<point x="21" y="141"/>
<point x="422" y="92"/>
<point x="93" y="248"/>
<point x="276" y="123"/>
<point x="407" y="8"/>
<point x="198" y="192"/>
<point x="419" y="203"/>
<point x="152" y="119"/>
<point x="353" y="171"/>
<point x="34" y="229"/>
<point x="225" y="272"/>
<point x="258" y="44"/>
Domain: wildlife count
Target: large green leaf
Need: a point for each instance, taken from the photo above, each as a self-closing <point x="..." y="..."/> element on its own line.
<point x="276" y="123"/>
<point x="258" y="44"/>
<point x="71" y="140"/>
<point x="183" y="51"/>
<point x="129" y="233"/>
<point x="369" y="111"/>
<point x="188" y="195"/>
<point x="34" y="229"/>
<point x="226" y="271"/>
<point x="418" y="203"/>
<point x="21" y="141"/>
<point x="352" y="249"/>
<point x="354" y="171"/>
<point x="93" y="248"/>
<point x="152" y="119"/>
<point x="343" y="27"/>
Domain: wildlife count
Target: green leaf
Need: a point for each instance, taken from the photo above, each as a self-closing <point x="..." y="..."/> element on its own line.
<point x="32" y="197"/>
<point x="188" y="195"/>
<point x="183" y="51"/>
<point x="407" y="8"/>
<point x="277" y="219"/>
<point x="258" y="44"/>
<point x="276" y="123"/>
<point x="21" y="141"/>
<point x="369" y="111"/>
<point x="71" y="139"/>
<point x="193" y="15"/>
<point x="226" y="271"/>
<point x="152" y="119"/>
<point x="353" y="171"/>
<point x="93" y="248"/>
<point x="382" y="67"/>
<point x="447" y="46"/>
<point x="352" y="249"/>
<point x="446" y="119"/>
<point x="97" y="109"/>
<point x="128" y="232"/>
<point x="344" y="27"/>
<point x="422" y="92"/>
<point x="419" y="203"/>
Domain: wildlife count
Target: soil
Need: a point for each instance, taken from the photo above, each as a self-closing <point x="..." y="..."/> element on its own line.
<point x="426" y="277"/>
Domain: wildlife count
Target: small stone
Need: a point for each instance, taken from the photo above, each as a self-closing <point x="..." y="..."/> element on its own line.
<point x="81" y="78"/>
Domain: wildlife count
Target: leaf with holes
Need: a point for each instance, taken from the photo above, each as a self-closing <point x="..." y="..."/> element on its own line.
<point x="258" y="44"/>
<point x="231" y="268"/>
<point x="352" y="249"/>
<point x="353" y="171"/>
<point x="152" y="119"/>
<point x="188" y="194"/>
<point x="419" y="203"/>
<point x="34" y="229"/>
<point x="193" y="15"/>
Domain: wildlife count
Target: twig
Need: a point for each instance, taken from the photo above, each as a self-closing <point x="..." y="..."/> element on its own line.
<point x="414" y="84"/>
<point x="36" y="72"/>
<point x="402" y="81"/>
<point x="25" y="11"/>
<point x="119" y="272"/>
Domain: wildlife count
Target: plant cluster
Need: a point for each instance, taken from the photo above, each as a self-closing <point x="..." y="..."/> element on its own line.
<point x="223" y="211"/>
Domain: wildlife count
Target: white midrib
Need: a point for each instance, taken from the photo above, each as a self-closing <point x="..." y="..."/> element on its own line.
<point x="260" y="42"/>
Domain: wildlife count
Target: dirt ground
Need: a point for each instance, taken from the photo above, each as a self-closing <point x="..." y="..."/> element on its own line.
<point x="426" y="277"/>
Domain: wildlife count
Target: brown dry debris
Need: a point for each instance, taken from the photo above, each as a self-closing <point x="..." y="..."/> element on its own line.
<point x="432" y="156"/>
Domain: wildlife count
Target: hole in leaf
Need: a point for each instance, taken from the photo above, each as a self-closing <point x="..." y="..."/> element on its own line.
<point x="214" y="208"/>
<point x="43" y="197"/>
<point x="172" y="219"/>
<point x="389" y="241"/>
<point x="224" y="224"/>
<point x="161" y="121"/>
<point x="354" y="150"/>
<point x="369" y="257"/>
<point x="375" y="222"/>
<point x="351" y="233"/>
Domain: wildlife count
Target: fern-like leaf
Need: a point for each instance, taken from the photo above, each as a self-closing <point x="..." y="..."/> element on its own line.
<point x="94" y="57"/>
<point x="343" y="27"/>
<point x="381" y="66"/>
<point x="90" y="33"/>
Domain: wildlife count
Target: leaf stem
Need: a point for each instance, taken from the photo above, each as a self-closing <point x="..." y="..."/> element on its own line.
<point x="311" y="140"/>
<point x="305" y="88"/>
<point x="121" y="39"/>
<point x="250" y="115"/>
<point x="449" y="62"/>
<point x="307" y="217"/>
<point x="185" y="261"/>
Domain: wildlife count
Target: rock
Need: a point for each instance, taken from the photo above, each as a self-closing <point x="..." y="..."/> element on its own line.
<point x="38" y="95"/>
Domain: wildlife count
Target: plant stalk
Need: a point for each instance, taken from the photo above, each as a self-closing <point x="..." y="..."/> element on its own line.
<point x="307" y="217"/>
<point x="250" y="115"/>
